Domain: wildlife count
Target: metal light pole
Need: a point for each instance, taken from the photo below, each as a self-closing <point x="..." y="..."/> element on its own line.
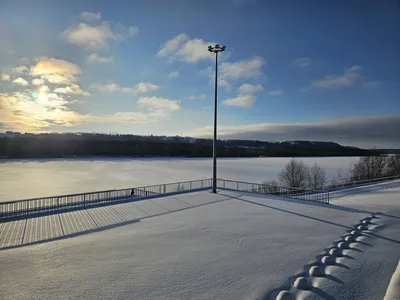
<point x="216" y="49"/>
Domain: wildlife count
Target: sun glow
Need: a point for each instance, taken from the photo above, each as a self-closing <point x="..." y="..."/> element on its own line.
<point x="41" y="94"/>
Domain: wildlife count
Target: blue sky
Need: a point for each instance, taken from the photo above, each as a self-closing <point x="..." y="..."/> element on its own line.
<point x="292" y="69"/>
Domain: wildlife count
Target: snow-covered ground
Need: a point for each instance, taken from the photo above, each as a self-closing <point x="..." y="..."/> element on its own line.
<point x="203" y="246"/>
<point x="21" y="179"/>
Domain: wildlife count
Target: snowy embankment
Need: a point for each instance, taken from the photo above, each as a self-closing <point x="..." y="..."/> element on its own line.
<point x="206" y="246"/>
<point x="393" y="291"/>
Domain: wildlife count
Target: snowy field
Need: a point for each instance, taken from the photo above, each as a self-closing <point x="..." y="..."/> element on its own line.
<point x="21" y="179"/>
<point x="204" y="246"/>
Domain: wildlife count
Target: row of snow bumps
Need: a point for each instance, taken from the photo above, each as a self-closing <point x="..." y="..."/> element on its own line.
<point x="329" y="258"/>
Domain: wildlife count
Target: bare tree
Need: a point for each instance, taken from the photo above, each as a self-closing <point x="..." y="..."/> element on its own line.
<point x="393" y="165"/>
<point x="294" y="174"/>
<point x="316" y="177"/>
<point x="369" y="167"/>
<point x="270" y="187"/>
<point x="342" y="177"/>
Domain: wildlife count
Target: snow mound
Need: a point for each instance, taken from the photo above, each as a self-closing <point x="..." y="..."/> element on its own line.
<point x="302" y="283"/>
<point x="284" y="295"/>
<point x="316" y="271"/>
<point x="335" y="252"/>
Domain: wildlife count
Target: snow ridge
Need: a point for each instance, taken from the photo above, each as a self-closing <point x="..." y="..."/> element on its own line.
<point x="333" y="256"/>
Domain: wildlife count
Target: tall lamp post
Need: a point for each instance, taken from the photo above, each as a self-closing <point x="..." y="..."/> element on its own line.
<point x="216" y="49"/>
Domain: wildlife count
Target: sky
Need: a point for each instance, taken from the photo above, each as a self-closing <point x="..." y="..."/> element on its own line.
<point x="292" y="70"/>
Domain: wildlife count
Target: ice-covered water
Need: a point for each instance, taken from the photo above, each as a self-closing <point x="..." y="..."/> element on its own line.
<point x="28" y="178"/>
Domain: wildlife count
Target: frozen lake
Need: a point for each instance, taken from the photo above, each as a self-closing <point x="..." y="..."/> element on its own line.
<point x="29" y="178"/>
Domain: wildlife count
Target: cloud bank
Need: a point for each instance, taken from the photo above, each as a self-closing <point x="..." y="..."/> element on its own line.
<point x="366" y="132"/>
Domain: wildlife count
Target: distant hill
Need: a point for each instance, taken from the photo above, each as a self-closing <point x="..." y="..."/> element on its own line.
<point x="16" y="145"/>
<point x="388" y="151"/>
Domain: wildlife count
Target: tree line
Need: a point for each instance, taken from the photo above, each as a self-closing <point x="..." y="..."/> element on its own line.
<point x="297" y="174"/>
<point x="54" y="145"/>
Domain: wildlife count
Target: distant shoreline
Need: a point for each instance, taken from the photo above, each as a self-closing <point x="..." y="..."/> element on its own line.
<point x="166" y="157"/>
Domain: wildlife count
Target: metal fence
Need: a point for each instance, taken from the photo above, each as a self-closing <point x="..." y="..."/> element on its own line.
<point x="350" y="184"/>
<point x="35" y="206"/>
<point x="277" y="190"/>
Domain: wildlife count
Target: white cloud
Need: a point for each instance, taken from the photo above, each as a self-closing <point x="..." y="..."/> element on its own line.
<point x="56" y="71"/>
<point x="20" y="113"/>
<point x="133" y="31"/>
<point x="96" y="37"/>
<point x="275" y="93"/>
<point x="240" y="101"/>
<point x="5" y="77"/>
<point x="159" y="107"/>
<point x="354" y="69"/>
<point x="44" y="89"/>
<point x="247" y="88"/>
<point x="245" y="98"/>
<point x="160" y="103"/>
<point x="109" y="87"/>
<point x="90" y="16"/>
<point x="145" y="87"/>
<point x="141" y="87"/>
<point x="243" y="69"/>
<point x="197" y="97"/>
<point x="73" y="89"/>
<point x="94" y="58"/>
<point x="38" y="81"/>
<point x="332" y="82"/>
<point x="89" y="37"/>
<point x="184" y="48"/>
<point x="301" y="62"/>
<point x="51" y="100"/>
<point x="174" y="74"/>
<point x="223" y="83"/>
<point x="171" y="46"/>
<point x="24" y="60"/>
<point x="20" y="81"/>
<point x="371" y="84"/>
<point x="195" y="50"/>
<point x="20" y="70"/>
<point x="209" y="72"/>
<point x="59" y="79"/>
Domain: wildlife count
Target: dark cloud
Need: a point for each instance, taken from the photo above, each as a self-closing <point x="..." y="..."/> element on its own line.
<point x="366" y="132"/>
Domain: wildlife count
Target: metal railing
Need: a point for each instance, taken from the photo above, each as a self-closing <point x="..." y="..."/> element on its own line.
<point x="350" y="184"/>
<point x="35" y="206"/>
<point x="277" y="190"/>
<point x="12" y="209"/>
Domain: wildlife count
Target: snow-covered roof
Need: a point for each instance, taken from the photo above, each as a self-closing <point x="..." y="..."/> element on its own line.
<point x="203" y="246"/>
